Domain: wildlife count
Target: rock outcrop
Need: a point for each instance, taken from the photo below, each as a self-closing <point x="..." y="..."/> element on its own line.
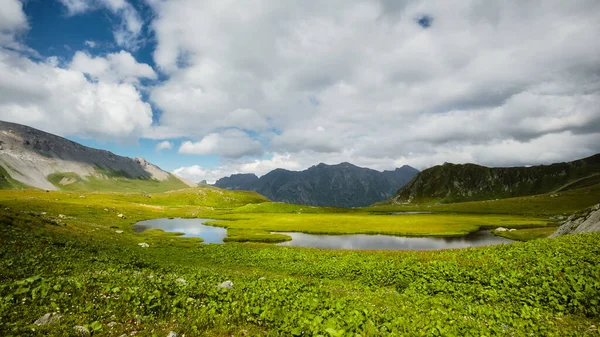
<point x="588" y="221"/>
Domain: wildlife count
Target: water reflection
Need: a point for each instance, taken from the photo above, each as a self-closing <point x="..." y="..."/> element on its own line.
<point x="190" y="228"/>
<point x="381" y="242"/>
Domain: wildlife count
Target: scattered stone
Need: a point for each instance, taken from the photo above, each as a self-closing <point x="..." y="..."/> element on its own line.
<point x="112" y="324"/>
<point x="81" y="331"/>
<point x="119" y="232"/>
<point x="501" y="229"/>
<point x="106" y="209"/>
<point x="181" y="281"/>
<point x="7" y="209"/>
<point x="226" y="285"/>
<point x="244" y="332"/>
<point x="262" y="278"/>
<point x="512" y="230"/>
<point x="143" y="245"/>
<point x="120" y="215"/>
<point x="133" y="333"/>
<point x="61" y="216"/>
<point x="49" y="318"/>
<point x="43" y="213"/>
<point x="82" y="196"/>
<point x="173" y="334"/>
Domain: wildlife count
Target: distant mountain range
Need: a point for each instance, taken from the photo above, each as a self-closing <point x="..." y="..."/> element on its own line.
<point x="342" y="185"/>
<point x="34" y="158"/>
<point x="469" y="182"/>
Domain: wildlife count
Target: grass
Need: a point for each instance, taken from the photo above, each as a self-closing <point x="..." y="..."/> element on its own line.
<point x="80" y="267"/>
<point x="114" y="182"/>
<point x="8" y="183"/>
<point x="527" y="234"/>
<point x="559" y="203"/>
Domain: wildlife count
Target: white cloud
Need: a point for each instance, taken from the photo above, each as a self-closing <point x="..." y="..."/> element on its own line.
<point x="127" y="32"/>
<point x="362" y="80"/>
<point x="164" y="145"/>
<point x="230" y="144"/>
<point x="90" y="43"/>
<point x="12" y="22"/>
<point x="63" y="101"/>
<point x="114" y="67"/>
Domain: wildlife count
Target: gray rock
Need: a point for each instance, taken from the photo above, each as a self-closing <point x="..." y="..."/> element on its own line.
<point x="181" y="281"/>
<point x="590" y="222"/>
<point x="81" y="331"/>
<point x="143" y="245"/>
<point x="501" y="229"/>
<point x="226" y="285"/>
<point x="49" y="318"/>
<point x="120" y="215"/>
<point x="119" y="232"/>
<point x="173" y="334"/>
<point x="112" y="324"/>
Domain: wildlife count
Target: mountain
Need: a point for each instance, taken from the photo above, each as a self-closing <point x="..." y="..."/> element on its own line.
<point x="33" y="158"/>
<point x="342" y="185"/>
<point x="470" y="182"/>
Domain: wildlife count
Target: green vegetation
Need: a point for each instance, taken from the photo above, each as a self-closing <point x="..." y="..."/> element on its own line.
<point x="451" y="183"/>
<point x="79" y="267"/>
<point x="8" y="183"/>
<point x="527" y="234"/>
<point x="559" y="203"/>
<point x="112" y="181"/>
<point x="76" y="254"/>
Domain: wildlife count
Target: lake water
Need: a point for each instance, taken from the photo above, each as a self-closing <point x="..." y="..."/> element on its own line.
<point x="190" y="227"/>
<point x="210" y="234"/>
<point x="380" y="242"/>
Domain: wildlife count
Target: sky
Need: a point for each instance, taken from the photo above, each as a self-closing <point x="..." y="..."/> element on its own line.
<point x="206" y="89"/>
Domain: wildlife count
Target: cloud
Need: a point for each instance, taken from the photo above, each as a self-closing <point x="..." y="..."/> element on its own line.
<point x="230" y="144"/>
<point x="115" y="67"/>
<point x="164" y="145"/>
<point x="90" y="43"/>
<point x="63" y="101"/>
<point x="382" y="80"/>
<point x="127" y="33"/>
<point x="12" y="22"/>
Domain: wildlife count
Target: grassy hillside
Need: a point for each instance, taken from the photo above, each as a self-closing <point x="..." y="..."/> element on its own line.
<point x="113" y="182"/>
<point x="79" y="267"/>
<point x="550" y="204"/>
<point x="8" y="183"/>
<point x="450" y="183"/>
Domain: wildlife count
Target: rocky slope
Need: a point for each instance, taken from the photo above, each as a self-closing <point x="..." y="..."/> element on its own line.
<point x="585" y="222"/>
<point x="342" y="185"/>
<point x="470" y="182"/>
<point x="29" y="157"/>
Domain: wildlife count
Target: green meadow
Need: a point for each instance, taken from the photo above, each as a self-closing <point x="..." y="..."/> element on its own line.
<point x="64" y="253"/>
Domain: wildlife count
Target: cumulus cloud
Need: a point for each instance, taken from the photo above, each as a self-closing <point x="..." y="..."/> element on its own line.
<point x="12" y="22"/>
<point x="115" y="67"/>
<point x="164" y="145"/>
<point x="385" y="81"/>
<point x="127" y="32"/>
<point x="230" y="144"/>
<point x="63" y="101"/>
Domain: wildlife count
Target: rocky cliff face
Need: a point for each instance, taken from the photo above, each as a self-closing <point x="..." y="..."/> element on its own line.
<point x="29" y="156"/>
<point x="342" y="185"/>
<point x="469" y="182"/>
<point x="588" y="221"/>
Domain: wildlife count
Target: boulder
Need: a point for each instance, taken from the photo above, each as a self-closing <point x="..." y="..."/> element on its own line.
<point x="143" y="245"/>
<point x="501" y="229"/>
<point x="119" y="232"/>
<point x="588" y="222"/>
<point x="81" y="331"/>
<point x="173" y="334"/>
<point x="226" y="285"/>
<point x="49" y="318"/>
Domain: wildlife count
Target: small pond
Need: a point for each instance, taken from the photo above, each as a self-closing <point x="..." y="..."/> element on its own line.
<point x="210" y="234"/>
<point x="379" y="242"/>
<point x="194" y="228"/>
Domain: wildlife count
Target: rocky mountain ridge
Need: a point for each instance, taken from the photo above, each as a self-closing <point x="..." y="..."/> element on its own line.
<point x="342" y="185"/>
<point x="29" y="156"/>
<point x="469" y="182"/>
